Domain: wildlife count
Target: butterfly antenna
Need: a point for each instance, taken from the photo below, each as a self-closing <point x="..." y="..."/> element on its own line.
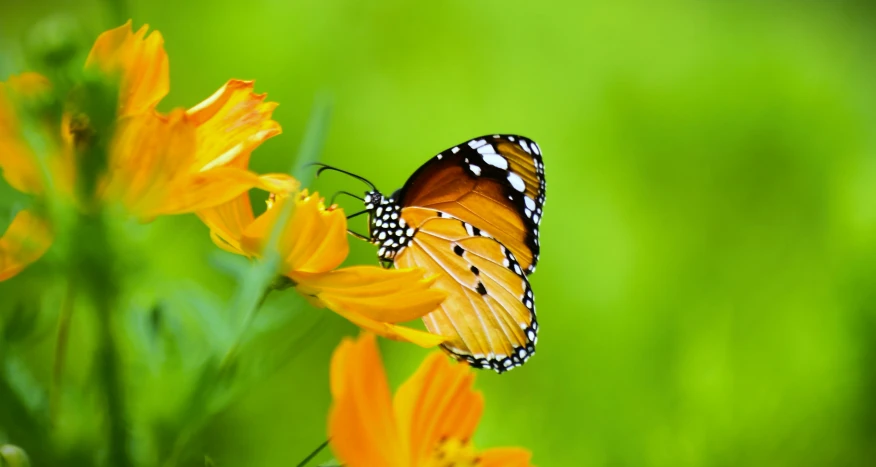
<point x="335" y="196"/>
<point x="324" y="167"/>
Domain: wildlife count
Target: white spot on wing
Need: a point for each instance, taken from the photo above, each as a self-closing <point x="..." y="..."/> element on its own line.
<point x="474" y="144"/>
<point x="454" y="150"/>
<point x="535" y="148"/>
<point x="530" y="203"/>
<point x="486" y="149"/>
<point x="475" y="169"/>
<point x="516" y="182"/>
<point x="525" y="146"/>
<point x="496" y="161"/>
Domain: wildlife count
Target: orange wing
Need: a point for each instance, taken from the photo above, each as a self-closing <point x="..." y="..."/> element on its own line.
<point x="495" y="183"/>
<point x="489" y="314"/>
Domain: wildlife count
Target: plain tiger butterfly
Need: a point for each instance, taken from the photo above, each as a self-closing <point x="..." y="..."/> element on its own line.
<point x="470" y="214"/>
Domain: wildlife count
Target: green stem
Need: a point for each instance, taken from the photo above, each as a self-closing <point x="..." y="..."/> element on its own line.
<point x="187" y="433"/>
<point x="113" y="387"/>
<point x="61" y="349"/>
<point x="313" y="454"/>
<point x="247" y="322"/>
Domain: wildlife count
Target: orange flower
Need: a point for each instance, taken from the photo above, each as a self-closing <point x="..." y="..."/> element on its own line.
<point x="312" y="244"/>
<point x="28" y="236"/>
<point x="429" y="423"/>
<point x="157" y="164"/>
<point x="190" y="159"/>
<point x="18" y="160"/>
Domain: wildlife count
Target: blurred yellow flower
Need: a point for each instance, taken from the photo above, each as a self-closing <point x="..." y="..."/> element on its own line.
<point x="157" y="164"/>
<point x="28" y="236"/>
<point x="429" y="423"/>
<point x="312" y="244"/>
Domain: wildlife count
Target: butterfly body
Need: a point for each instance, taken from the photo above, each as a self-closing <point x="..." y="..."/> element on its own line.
<point x="471" y="215"/>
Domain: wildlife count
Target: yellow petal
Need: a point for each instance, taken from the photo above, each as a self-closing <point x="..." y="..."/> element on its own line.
<point x="435" y="403"/>
<point x="25" y="241"/>
<point x="150" y="157"/>
<point x="387" y="295"/>
<point x="361" y="426"/>
<point x="387" y="330"/>
<point x="229" y="220"/>
<point x="313" y="240"/>
<point x="317" y="241"/>
<point x="139" y="62"/>
<point x="231" y="123"/>
<point x="207" y="189"/>
<point x="505" y="457"/>
<point x="17" y="160"/>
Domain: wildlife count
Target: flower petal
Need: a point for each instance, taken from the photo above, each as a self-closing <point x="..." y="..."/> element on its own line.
<point x="25" y="241"/>
<point x="231" y="123"/>
<point x="18" y="162"/>
<point x="437" y="402"/>
<point x="149" y="155"/>
<point x="505" y="457"/>
<point x="313" y="240"/>
<point x="361" y="426"/>
<point x="389" y="331"/>
<point x="227" y="222"/>
<point x="139" y="62"/>
<point x="387" y="295"/>
<point x="207" y="189"/>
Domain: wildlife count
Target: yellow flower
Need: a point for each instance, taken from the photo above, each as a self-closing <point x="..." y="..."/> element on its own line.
<point x="190" y="159"/>
<point x="311" y="246"/>
<point x="17" y="159"/>
<point x="28" y="236"/>
<point x="157" y="164"/>
<point x="429" y="423"/>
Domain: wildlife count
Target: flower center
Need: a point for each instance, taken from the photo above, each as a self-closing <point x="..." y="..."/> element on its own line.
<point x="81" y="131"/>
<point x="454" y="453"/>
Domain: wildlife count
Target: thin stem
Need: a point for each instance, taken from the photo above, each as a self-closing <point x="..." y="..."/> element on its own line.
<point x="247" y="322"/>
<point x="314" y="453"/>
<point x="113" y="387"/>
<point x="61" y="349"/>
<point x="183" y="438"/>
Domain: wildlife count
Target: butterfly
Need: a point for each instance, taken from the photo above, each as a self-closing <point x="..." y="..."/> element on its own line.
<point x="471" y="214"/>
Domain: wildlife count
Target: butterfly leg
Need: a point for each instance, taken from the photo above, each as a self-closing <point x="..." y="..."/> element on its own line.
<point x="359" y="236"/>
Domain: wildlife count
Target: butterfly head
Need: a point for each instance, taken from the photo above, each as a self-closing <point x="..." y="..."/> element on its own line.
<point x="386" y="227"/>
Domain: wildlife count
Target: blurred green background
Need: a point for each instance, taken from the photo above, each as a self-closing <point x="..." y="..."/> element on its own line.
<point x="706" y="291"/>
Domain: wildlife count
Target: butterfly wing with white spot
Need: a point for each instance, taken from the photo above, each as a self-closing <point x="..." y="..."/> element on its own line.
<point x="495" y="183"/>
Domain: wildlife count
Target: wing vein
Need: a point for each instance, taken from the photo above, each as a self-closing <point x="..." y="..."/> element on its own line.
<point x="464" y="289"/>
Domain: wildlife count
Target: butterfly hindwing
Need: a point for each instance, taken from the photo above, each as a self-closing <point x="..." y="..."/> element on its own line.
<point x="494" y="182"/>
<point x="489" y="314"/>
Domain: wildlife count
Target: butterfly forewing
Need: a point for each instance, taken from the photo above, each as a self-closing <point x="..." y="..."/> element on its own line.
<point x="495" y="183"/>
<point x="489" y="314"/>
